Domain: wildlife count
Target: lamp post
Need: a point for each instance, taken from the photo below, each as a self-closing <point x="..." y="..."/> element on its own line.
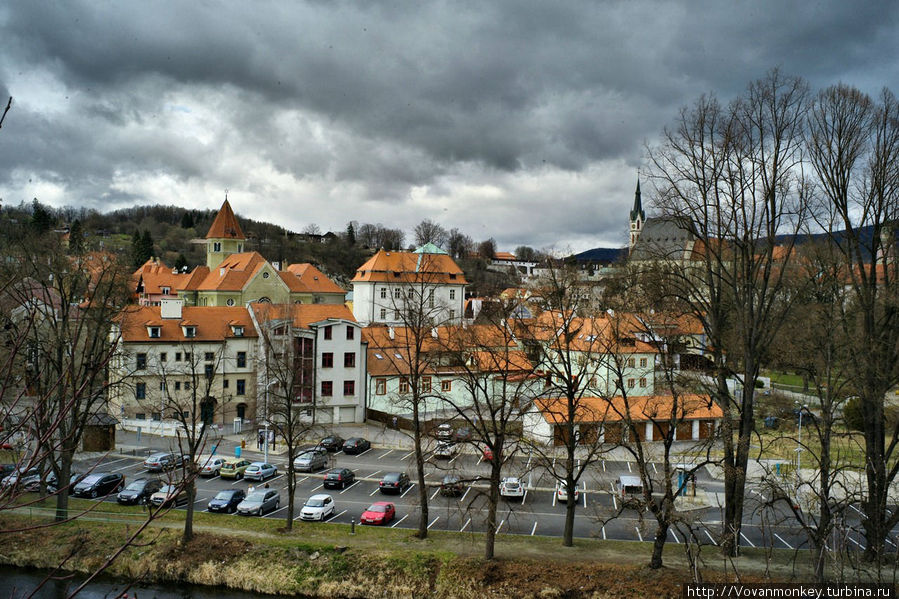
<point x="265" y="440"/>
<point x="799" y="442"/>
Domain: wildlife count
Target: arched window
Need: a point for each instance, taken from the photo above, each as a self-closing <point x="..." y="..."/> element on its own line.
<point x="264" y="300"/>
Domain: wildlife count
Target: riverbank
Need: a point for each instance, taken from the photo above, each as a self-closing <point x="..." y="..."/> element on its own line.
<point x="326" y="561"/>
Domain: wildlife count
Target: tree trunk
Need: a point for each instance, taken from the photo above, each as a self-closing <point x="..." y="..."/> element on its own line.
<point x="571" y="504"/>
<point x="492" y="501"/>
<point x="291" y="488"/>
<point x="62" y="497"/>
<point x="189" y="517"/>
<point x="420" y="466"/>
<point x="658" y="544"/>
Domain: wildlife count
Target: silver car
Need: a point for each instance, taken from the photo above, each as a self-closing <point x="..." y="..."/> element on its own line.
<point x="310" y="461"/>
<point x="259" y="503"/>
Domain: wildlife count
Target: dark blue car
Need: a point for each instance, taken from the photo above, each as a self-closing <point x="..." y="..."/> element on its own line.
<point x="226" y="501"/>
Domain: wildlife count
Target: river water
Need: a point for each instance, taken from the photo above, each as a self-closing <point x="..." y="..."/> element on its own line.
<point x="16" y="583"/>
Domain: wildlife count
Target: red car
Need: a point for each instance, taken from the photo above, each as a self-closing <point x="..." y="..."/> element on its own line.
<point x="380" y="512"/>
<point x="488" y="454"/>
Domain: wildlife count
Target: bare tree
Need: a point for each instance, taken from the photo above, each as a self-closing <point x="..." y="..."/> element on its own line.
<point x="459" y="245"/>
<point x="428" y="231"/>
<point x="730" y="180"/>
<point x="854" y="149"/>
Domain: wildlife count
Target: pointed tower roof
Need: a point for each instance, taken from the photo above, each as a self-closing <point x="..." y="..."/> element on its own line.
<point x="225" y="225"/>
<point x="638" y="206"/>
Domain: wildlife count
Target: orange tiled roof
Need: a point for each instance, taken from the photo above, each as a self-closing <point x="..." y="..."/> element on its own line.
<point x="599" y="334"/>
<point x="233" y="273"/>
<point x="408" y="267"/>
<point x="213" y="323"/>
<point x="638" y="408"/>
<point x="225" y="225"/>
<point x="310" y="279"/>
<point x="303" y="315"/>
<point x="504" y="256"/>
<point x="156" y="275"/>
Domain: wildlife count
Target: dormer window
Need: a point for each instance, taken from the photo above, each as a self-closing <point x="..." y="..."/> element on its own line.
<point x="237" y="330"/>
<point x="154" y="332"/>
<point x="452" y="276"/>
<point x="166" y="290"/>
<point x="189" y="331"/>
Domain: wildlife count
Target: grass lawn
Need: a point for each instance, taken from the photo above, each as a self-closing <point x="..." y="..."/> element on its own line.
<point x="784" y="379"/>
<point x="847" y="448"/>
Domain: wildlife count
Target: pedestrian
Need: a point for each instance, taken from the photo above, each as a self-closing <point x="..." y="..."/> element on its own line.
<point x="260" y="440"/>
<point x="395" y="422"/>
<point x="251" y="489"/>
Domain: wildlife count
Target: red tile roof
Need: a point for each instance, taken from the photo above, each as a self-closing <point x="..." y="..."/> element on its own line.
<point x="156" y="275"/>
<point x="638" y="408"/>
<point x="408" y="267"/>
<point x="213" y="323"/>
<point x="225" y="225"/>
<point x="303" y="315"/>
<point x="311" y="279"/>
<point x="233" y="273"/>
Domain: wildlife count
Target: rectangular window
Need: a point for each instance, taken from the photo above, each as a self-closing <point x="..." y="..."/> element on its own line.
<point x="631" y="383"/>
<point x="350" y="333"/>
<point x="140" y="416"/>
<point x="452" y="294"/>
<point x="187" y="385"/>
<point x="328" y="332"/>
<point x="397" y="293"/>
<point x="208" y="356"/>
<point x="431" y="298"/>
<point x="642" y="382"/>
<point x="404" y="385"/>
<point x="630" y="362"/>
<point x="162" y="385"/>
<point x="383" y="293"/>
<point x="190" y="331"/>
<point x="452" y="314"/>
<point x="426" y="384"/>
<point x="163" y="357"/>
<point x="177" y="385"/>
<point x="224" y="383"/>
<point x="642" y="362"/>
<point x="446" y="386"/>
<point x="241" y="387"/>
<point x="241" y="359"/>
<point x="327" y="360"/>
<point x="327" y="388"/>
<point x="140" y="391"/>
<point x="396" y="314"/>
<point x="411" y="293"/>
<point x="141" y="361"/>
<point x="154" y="332"/>
<point x="187" y="356"/>
<point x="349" y="388"/>
<point x="383" y="313"/>
<point x="349" y="360"/>
<point x="208" y="371"/>
<point x="177" y="356"/>
<point x="380" y="386"/>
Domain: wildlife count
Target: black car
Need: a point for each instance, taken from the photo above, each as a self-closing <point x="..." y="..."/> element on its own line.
<point x="6" y="469"/>
<point x="451" y="487"/>
<point x="139" y="491"/>
<point x="332" y="443"/>
<point x="394" y="482"/>
<point x="356" y="445"/>
<point x="226" y="501"/>
<point x="339" y="478"/>
<point x="99" y="484"/>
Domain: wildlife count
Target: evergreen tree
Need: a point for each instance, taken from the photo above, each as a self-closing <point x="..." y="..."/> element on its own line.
<point x="181" y="262"/>
<point x="350" y="234"/>
<point x="146" y="245"/>
<point x="187" y="220"/>
<point x="41" y="219"/>
<point x="76" y="238"/>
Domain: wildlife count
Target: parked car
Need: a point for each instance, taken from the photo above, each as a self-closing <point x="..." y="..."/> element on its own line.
<point x="74" y="479"/>
<point x="562" y="493"/>
<point x="234" y="468"/>
<point x="511" y="487"/>
<point x="356" y="445"/>
<point x="18" y="474"/>
<point x="630" y="490"/>
<point x="445" y="450"/>
<point x="226" y="501"/>
<point x="159" y="462"/>
<point x="210" y="465"/>
<point x="6" y="470"/>
<point x="462" y="434"/>
<point x="311" y="460"/>
<point x="394" y="482"/>
<point x="259" y="471"/>
<point x="444" y="432"/>
<point x="139" y="491"/>
<point x="259" y="503"/>
<point x="168" y="496"/>
<point x="332" y="443"/>
<point x="488" y="454"/>
<point x="339" y="478"/>
<point x="317" y="507"/>
<point x="380" y="512"/>
<point x="451" y="486"/>
<point x="99" y="484"/>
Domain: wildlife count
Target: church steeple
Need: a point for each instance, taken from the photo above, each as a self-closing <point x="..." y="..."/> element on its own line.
<point x="638" y="217"/>
<point x="225" y="236"/>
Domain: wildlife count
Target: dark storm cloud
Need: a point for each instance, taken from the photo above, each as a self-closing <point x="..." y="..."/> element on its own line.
<point x="374" y="103"/>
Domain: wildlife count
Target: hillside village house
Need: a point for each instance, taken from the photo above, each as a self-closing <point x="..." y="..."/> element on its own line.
<point x="390" y="283"/>
<point x="325" y="349"/>
<point x="165" y="351"/>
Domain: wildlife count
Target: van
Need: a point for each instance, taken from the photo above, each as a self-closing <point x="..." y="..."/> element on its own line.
<point x="630" y="489"/>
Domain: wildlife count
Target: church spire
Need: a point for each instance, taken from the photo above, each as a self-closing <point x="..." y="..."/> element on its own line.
<point x="637" y="212"/>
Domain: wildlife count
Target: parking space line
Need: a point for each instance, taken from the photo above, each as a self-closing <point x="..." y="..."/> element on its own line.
<point x="654" y="469"/>
<point x="854" y="541"/>
<point x="200" y="499"/>
<point x="302" y="480"/>
<point x="333" y="517"/>
<point x="465" y="494"/>
<point x="115" y="462"/>
<point x="554" y="499"/>
<point x="603" y="465"/>
<point x="628" y="466"/>
<point x="364" y="452"/>
<point x="860" y="513"/>
<point x="533" y="530"/>
<point x="638" y="534"/>
<point x="464" y="526"/>
<point x="318" y="487"/>
<point x="407" y="455"/>
<point x="237" y="480"/>
<point x="398" y="521"/>
<point x="273" y="479"/>
<point x="503" y="521"/>
<point x="373" y="492"/>
<point x="528" y="465"/>
<point x="676" y="540"/>
<point x="585" y="495"/>
<point x="372" y="474"/>
<point x="603" y="529"/>
<point x="525" y="496"/>
<point x="887" y="539"/>
<point x="710" y="536"/>
<point x="407" y="490"/>
<point x="745" y="538"/>
<point x="123" y="468"/>
<point x="435" y="493"/>
<point x="384" y="455"/>
<point x="276" y="511"/>
<point x="433" y="521"/>
<point x="782" y="541"/>
<point x="345" y="489"/>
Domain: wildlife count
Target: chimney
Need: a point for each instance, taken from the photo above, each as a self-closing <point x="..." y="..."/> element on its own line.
<point x="171" y="308"/>
<point x="434" y="332"/>
<point x="390" y="332"/>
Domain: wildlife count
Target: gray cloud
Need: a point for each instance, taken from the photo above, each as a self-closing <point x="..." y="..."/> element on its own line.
<point x="331" y="111"/>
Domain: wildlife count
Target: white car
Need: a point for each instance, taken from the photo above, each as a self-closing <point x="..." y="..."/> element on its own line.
<point x="445" y="450"/>
<point x="562" y="492"/>
<point x="210" y="465"/>
<point x="317" y="507"/>
<point x="511" y="487"/>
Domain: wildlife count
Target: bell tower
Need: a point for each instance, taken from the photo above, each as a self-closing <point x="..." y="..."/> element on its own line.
<point x="224" y="237"/>
<point x="638" y="218"/>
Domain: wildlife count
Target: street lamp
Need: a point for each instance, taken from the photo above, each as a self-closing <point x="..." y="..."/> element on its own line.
<point x="265" y="440"/>
<point x="799" y="442"/>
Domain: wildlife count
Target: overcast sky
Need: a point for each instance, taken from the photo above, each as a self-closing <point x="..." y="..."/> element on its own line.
<point x="522" y="121"/>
